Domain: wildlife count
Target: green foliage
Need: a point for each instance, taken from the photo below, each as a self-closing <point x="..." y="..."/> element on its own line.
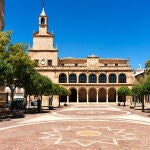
<point x="146" y="85"/>
<point x="60" y="90"/>
<point x="5" y="39"/>
<point x="64" y="91"/>
<point x="17" y="69"/>
<point x="124" y="91"/>
<point x="138" y="89"/>
<point x="147" y="66"/>
<point x="14" y="62"/>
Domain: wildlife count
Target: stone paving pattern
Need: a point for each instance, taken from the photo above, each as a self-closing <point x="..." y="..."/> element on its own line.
<point x="78" y="127"/>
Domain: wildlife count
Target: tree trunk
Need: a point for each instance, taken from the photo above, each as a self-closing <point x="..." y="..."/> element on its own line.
<point x="25" y="102"/>
<point x="51" y="102"/>
<point x="142" y="100"/>
<point x="59" y="102"/>
<point x="12" y="89"/>
<point x="134" y="101"/>
<point x="124" y="101"/>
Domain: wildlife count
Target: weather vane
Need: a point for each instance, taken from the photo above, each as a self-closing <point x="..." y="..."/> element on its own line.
<point x="43" y="3"/>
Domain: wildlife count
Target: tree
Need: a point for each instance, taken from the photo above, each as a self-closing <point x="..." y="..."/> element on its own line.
<point x="147" y="86"/>
<point x="147" y="66"/>
<point x="63" y="92"/>
<point x="58" y="90"/>
<point x="123" y="92"/>
<point x="15" y="62"/>
<point x="138" y="91"/>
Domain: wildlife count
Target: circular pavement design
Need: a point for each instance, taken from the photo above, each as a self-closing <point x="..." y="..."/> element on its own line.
<point x="92" y="112"/>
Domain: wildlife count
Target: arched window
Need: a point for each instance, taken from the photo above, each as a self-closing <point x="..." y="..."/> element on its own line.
<point x="82" y="78"/>
<point x="102" y="78"/>
<point x="62" y="78"/>
<point x="72" y="78"/>
<point x="92" y="78"/>
<point x="42" y="20"/>
<point x="112" y="78"/>
<point x="122" y="78"/>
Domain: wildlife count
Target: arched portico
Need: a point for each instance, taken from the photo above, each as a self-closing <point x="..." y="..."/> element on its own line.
<point x="102" y="95"/>
<point x="82" y="95"/>
<point x="73" y="96"/>
<point x="111" y="95"/>
<point x="92" y="95"/>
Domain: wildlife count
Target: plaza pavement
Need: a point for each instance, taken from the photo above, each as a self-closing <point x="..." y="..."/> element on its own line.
<point x="78" y="127"/>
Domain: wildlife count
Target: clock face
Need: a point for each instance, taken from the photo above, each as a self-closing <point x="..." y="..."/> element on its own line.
<point x="92" y="61"/>
<point x="43" y="61"/>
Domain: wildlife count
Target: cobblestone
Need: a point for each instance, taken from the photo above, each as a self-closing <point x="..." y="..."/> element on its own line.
<point x="78" y="127"/>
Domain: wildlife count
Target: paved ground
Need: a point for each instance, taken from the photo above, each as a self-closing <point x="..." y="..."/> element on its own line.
<point x="78" y="127"/>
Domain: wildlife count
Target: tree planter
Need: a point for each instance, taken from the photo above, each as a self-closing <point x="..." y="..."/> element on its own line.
<point x="132" y="107"/>
<point x="65" y="104"/>
<point x="18" y="113"/>
<point x="119" y="104"/>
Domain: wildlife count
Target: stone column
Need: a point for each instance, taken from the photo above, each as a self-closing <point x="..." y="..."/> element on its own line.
<point x="77" y="97"/>
<point x="87" y="78"/>
<point x="77" y="78"/>
<point x="117" y="78"/>
<point x="107" y="96"/>
<point x="68" y="77"/>
<point x="116" y="98"/>
<point x="67" y="99"/>
<point x="97" y="97"/>
<point x="87" y="97"/>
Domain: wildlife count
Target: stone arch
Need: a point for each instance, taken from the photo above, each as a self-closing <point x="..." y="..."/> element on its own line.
<point x="72" y="78"/>
<point x="92" y="78"/>
<point x="112" y="95"/>
<point x="112" y="78"/>
<point x="82" y="95"/>
<point x="102" y="95"/>
<point x="92" y="95"/>
<point x="82" y="78"/>
<point x="62" y="78"/>
<point x="122" y="78"/>
<point x="73" y="96"/>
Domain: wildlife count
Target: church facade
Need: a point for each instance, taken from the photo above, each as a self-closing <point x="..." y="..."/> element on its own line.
<point x="91" y="79"/>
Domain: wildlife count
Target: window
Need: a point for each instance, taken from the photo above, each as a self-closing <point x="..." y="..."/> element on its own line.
<point x="62" y="65"/>
<point x="36" y="61"/>
<point x="112" y="78"/>
<point x="92" y="78"/>
<point x="62" y="78"/>
<point x="72" y="78"/>
<point x="42" y="20"/>
<point x="116" y="64"/>
<point x="122" y="78"/>
<point x="102" y="78"/>
<point x="82" y="78"/>
<point x="76" y="65"/>
<point x="105" y="65"/>
<point x="49" y="62"/>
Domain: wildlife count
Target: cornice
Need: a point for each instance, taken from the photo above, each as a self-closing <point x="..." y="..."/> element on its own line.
<point x="31" y="50"/>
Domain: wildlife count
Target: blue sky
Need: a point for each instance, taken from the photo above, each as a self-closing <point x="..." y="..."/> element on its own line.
<point x="106" y="28"/>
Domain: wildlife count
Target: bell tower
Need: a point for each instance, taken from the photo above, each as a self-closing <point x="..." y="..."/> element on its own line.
<point x="43" y="50"/>
<point x="43" y="23"/>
